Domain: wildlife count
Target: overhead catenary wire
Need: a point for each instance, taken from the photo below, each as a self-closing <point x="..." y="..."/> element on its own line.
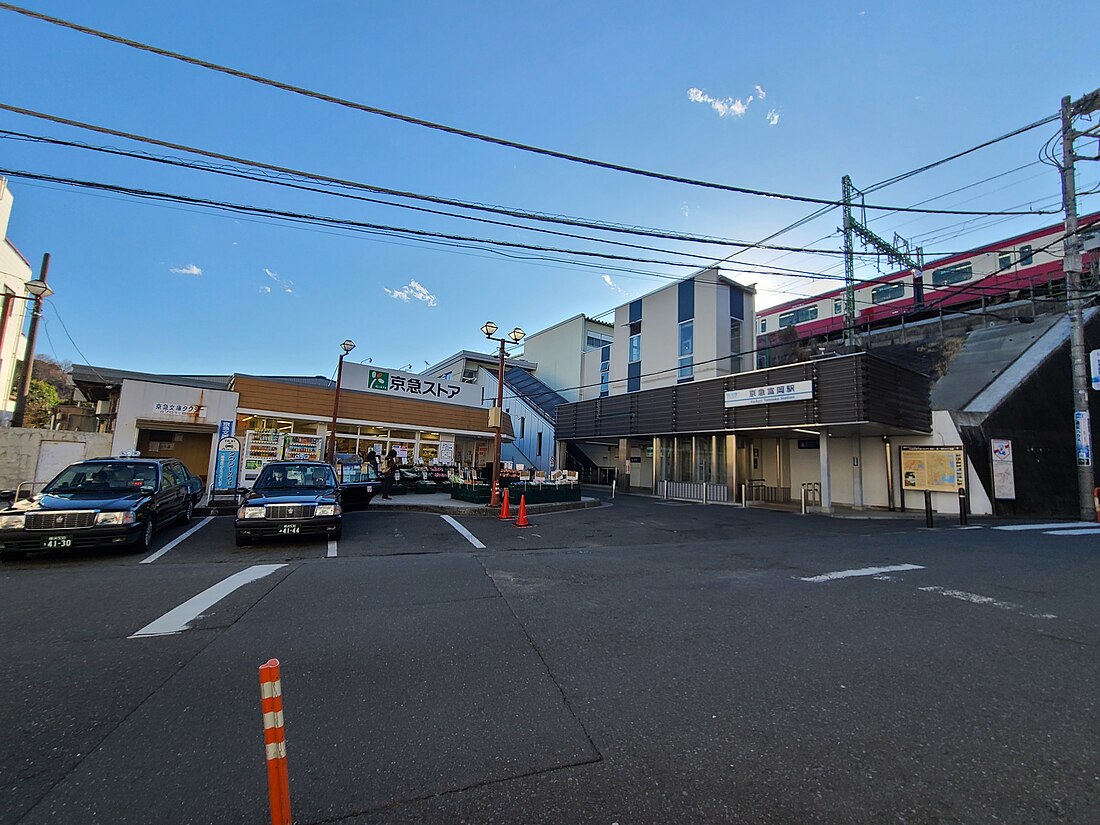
<point x="498" y="141"/>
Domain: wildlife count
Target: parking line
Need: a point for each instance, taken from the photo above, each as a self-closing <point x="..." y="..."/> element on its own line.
<point x="1080" y="531"/>
<point x="862" y="571"/>
<point x="331" y="549"/>
<point x="975" y="598"/>
<point x="179" y="618"/>
<point x="470" y="537"/>
<point x="1053" y="525"/>
<point x="175" y="541"/>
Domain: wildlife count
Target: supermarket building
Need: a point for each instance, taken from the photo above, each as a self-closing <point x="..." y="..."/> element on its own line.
<point x="182" y="416"/>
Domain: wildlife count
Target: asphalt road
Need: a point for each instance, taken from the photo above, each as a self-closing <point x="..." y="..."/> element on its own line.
<point x="638" y="663"/>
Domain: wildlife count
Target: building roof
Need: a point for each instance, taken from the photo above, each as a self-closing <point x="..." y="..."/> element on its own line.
<point x="533" y="391"/>
<point x="481" y="358"/>
<point x="89" y="375"/>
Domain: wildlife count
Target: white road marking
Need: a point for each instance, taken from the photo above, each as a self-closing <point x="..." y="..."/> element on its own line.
<point x="975" y="527"/>
<point x="1082" y="531"/>
<point x="331" y="549"/>
<point x="862" y="571"/>
<point x="177" y="540"/>
<point x="974" y="598"/>
<point x="470" y="537"/>
<point x="179" y="618"/>
<point x="1054" y="525"/>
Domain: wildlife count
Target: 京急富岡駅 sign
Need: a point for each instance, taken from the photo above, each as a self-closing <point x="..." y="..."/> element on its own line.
<point x="771" y="394"/>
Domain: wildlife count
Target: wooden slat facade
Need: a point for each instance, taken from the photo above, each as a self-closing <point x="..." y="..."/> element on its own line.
<point x="295" y="399"/>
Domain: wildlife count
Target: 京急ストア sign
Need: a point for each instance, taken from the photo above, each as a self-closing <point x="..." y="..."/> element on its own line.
<point x="398" y="384"/>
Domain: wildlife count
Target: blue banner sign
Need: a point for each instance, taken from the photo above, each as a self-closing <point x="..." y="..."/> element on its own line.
<point x="1083" y="432"/>
<point x="228" y="464"/>
<point x="225" y="429"/>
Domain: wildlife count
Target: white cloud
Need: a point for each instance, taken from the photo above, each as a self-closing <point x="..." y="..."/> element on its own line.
<point x="724" y="107"/>
<point x="685" y="210"/>
<point x="190" y="269"/>
<point x="414" y="289"/>
<point x="760" y="93"/>
<point x="773" y="117"/>
<point x="611" y="284"/>
<point x="265" y="290"/>
<point x="285" y="284"/>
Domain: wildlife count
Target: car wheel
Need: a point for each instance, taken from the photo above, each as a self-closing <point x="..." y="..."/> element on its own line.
<point x="146" y="540"/>
<point x="244" y="541"/>
<point x="188" y="512"/>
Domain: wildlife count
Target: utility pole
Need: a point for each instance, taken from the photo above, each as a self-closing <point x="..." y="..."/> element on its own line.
<point x="1071" y="246"/>
<point x="38" y="290"/>
<point x="898" y="252"/>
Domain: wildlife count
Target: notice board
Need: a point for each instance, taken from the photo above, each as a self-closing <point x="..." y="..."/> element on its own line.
<point x="939" y="469"/>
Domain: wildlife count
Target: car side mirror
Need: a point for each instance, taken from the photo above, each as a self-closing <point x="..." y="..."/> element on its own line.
<point x="148" y="489"/>
<point x="242" y="491"/>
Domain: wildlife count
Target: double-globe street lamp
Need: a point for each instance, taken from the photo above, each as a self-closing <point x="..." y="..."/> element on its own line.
<point x="330" y="454"/>
<point x="496" y="415"/>
<point x="38" y="290"/>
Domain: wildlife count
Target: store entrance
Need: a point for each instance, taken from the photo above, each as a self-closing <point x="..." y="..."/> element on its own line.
<point x="192" y="449"/>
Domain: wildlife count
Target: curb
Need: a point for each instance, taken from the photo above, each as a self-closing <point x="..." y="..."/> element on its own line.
<point x="472" y="510"/>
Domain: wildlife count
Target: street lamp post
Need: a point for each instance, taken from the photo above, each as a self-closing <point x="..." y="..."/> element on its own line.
<point x="347" y="347"/>
<point x="496" y="415"/>
<point x="38" y="290"/>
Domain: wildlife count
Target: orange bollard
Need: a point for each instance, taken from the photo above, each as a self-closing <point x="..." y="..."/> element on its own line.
<point x="278" y="780"/>
<point x="522" y="520"/>
<point x="505" y="509"/>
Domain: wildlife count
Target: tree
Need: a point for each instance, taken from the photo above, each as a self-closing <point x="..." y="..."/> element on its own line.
<point x="41" y="400"/>
<point x="55" y="374"/>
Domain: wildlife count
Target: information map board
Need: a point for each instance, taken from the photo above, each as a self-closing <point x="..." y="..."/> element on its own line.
<point x="939" y="469"/>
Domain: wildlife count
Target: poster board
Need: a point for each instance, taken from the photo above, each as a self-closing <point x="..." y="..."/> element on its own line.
<point x="938" y="469"/>
<point x="1004" y="478"/>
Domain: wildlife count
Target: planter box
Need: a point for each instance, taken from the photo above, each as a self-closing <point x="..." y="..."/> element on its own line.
<point x="543" y="493"/>
<point x="473" y="493"/>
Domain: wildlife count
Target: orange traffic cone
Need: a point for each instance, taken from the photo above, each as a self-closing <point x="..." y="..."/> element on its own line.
<point x="505" y="511"/>
<point x="522" y="520"/>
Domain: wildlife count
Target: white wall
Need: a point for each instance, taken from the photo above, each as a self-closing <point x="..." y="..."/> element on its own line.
<point x="524" y="448"/>
<point x="558" y="351"/>
<point x="14" y="274"/>
<point x="20" y="447"/>
<point x="138" y="399"/>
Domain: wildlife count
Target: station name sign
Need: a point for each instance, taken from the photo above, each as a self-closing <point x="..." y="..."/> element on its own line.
<point x="771" y="394"/>
<point x="396" y="383"/>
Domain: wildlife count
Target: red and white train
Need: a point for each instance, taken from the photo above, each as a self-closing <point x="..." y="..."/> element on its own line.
<point x="1029" y="264"/>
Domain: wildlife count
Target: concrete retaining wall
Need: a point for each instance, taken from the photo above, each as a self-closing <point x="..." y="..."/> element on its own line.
<point x="23" y="457"/>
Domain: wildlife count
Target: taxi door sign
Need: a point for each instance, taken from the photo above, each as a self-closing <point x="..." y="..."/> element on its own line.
<point x="227" y="466"/>
<point x="1082" y="429"/>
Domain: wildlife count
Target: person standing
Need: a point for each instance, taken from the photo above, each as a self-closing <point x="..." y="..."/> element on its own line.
<point x="372" y="461"/>
<point x="389" y="472"/>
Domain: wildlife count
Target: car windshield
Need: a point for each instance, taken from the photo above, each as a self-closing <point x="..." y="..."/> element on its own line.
<point x="103" y="476"/>
<point x="297" y="476"/>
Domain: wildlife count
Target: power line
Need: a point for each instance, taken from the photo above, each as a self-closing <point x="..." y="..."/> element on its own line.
<point x="524" y="147"/>
<point x="341" y="182"/>
<point x="248" y="209"/>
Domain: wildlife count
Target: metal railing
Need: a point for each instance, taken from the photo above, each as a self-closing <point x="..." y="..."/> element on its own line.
<point x="694" y="491"/>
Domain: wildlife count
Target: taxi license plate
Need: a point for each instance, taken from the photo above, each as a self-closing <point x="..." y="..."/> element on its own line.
<point x="290" y="529"/>
<point x="57" y="541"/>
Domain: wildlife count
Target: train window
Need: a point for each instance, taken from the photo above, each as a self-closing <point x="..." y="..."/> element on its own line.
<point x="887" y="292"/>
<point x="1026" y="255"/>
<point x="798" y="316"/>
<point x="763" y="325"/>
<point x="838" y="306"/>
<point x="1004" y="260"/>
<point x="952" y="274"/>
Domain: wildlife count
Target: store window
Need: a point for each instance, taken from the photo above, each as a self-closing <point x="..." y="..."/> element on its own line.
<point x="605" y="370"/>
<point x="735" y="345"/>
<point x="538" y="445"/>
<point x="634" y="350"/>
<point x="522" y="426"/>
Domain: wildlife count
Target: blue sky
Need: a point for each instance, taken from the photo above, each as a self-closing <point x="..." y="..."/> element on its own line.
<point x="867" y="89"/>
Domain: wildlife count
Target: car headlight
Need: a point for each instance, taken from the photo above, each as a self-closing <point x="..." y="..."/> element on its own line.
<point x="328" y="510"/>
<point x="11" y="522"/>
<point x="250" y="512"/>
<point x="117" y="517"/>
